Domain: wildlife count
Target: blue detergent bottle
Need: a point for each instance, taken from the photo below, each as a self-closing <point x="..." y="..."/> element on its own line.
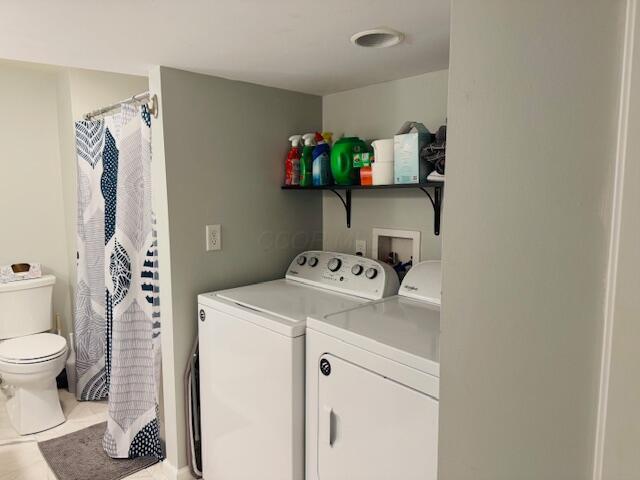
<point x="321" y="162"/>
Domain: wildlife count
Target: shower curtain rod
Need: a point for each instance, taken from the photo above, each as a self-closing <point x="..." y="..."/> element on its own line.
<point x="146" y="97"/>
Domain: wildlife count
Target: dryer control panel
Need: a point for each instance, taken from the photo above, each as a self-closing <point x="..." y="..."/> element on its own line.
<point x="341" y="272"/>
<point x="424" y="282"/>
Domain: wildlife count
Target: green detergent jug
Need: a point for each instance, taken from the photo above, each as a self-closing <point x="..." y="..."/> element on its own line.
<point x="344" y="173"/>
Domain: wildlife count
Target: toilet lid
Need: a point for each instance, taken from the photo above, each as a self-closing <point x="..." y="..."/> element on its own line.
<point x="32" y="348"/>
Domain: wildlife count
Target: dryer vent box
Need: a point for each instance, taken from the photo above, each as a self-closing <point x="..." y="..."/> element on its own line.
<point x="401" y="245"/>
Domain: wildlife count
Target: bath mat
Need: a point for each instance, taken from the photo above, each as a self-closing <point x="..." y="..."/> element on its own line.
<point x="80" y="456"/>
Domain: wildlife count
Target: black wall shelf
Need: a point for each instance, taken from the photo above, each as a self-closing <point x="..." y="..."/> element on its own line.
<point x="436" y="199"/>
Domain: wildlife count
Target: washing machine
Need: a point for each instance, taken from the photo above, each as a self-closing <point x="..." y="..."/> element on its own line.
<point x="373" y="386"/>
<point x="252" y="354"/>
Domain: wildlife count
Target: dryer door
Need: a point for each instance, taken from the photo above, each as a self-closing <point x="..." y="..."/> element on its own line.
<point x="371" y="427"/>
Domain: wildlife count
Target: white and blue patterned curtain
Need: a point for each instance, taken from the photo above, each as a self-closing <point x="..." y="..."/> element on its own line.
<point x="117" y="318"/>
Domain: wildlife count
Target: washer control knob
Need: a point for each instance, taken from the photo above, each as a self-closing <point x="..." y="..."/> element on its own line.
<point x="313" y="261"/>
<point x="356" y="269"/>
<point x="334" y="264"/>
<point x="371" y="273"/>
<point x="301" y="260"/>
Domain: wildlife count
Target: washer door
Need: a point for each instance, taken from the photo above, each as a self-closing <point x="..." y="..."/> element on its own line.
<point x="371" y="427"/>
<point x="252" y="400"/>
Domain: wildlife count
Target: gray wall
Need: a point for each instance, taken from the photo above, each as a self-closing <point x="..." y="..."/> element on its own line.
<point x="622" y="432"/>
<point x="373" y="112"/>
<point x="222" y="162"/>
<point x="533" y="91"/>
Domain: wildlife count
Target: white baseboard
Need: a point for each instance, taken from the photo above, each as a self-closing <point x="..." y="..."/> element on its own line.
<point x="173" y="473"/>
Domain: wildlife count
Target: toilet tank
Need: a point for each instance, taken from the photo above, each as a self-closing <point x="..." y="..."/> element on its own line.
<point x="26" y="306"/>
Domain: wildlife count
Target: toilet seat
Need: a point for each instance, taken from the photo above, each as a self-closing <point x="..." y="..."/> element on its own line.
<point x="30" y="349"/>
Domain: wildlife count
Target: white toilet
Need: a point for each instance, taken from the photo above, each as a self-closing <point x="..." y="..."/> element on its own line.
<point x="30" y="360"/>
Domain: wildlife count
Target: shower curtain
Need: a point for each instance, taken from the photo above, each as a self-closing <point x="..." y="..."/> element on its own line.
<point x="117" y="317"/>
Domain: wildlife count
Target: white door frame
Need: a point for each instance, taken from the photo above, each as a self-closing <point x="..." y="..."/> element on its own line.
<point x="614" y="238"/>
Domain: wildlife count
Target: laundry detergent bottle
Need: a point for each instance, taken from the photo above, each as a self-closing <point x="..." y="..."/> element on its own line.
<point x="321" y="162"/>
<point x="292" y="164"/>
<point x="306" y="161"/>
<point x="344" y="173"/>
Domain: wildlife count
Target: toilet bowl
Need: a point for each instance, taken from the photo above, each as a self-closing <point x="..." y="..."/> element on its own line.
<point x="30" y="359"/>
<point x="28" y="368"/>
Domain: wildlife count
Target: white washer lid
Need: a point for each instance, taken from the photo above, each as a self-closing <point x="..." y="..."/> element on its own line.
<point x="290" y="301"/>
<point x="401" y="329"/>
<point x="32" y="348"/>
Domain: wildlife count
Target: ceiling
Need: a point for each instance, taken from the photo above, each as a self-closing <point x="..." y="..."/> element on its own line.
<point x="294" y="44"/>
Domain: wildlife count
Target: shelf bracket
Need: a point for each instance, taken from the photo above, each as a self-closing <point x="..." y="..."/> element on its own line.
<point x="346" y="201"/>
<point x="436" y="202"/>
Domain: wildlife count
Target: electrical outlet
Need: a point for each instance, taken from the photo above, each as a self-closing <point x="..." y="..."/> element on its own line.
<point x="214" y="238"/>
<point x="361" y="248"/>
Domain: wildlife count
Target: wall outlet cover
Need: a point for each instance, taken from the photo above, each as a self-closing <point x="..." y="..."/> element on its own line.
<point x="361" y="247"/>
<point x="213" y="238"/>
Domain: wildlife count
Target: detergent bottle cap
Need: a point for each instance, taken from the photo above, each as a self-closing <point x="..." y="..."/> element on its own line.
<point x="309" y="139"/>
<point x="295" y="140"/>
<point x="319" y="139"/>
<point x="328" y="137"/>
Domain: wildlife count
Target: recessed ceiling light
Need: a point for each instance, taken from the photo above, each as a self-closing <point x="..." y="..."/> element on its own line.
<point x="377" y="38"/>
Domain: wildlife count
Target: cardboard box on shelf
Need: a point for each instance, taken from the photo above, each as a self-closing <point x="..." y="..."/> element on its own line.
<point x="407" y="144"/>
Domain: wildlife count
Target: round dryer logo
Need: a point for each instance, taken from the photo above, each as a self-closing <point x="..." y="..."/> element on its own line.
<point x="325" y="367"/>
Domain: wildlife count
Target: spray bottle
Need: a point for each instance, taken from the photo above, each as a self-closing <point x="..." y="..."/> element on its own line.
<point x="321" y="160"/>
<point x="292" y="164"/>
<point x="306" y="161"/>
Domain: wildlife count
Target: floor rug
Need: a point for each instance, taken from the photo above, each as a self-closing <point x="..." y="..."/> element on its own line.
<point x="80" y="456"/>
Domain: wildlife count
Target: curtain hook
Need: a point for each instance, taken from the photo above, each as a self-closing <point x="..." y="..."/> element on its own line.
<point x="153" y="107"/>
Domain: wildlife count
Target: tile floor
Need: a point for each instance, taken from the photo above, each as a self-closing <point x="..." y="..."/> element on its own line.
<point x="20" y="457"/>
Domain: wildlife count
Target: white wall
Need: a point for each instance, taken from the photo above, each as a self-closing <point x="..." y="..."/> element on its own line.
<point x="31" y="199"/>
<point x="79" y="92"/>
<point x="622" y="428"/>
<point x="219" y="149"/>
<point x="373" y="112"/>
<point x="533" y="91"/>
<point x="37" y="142"/>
